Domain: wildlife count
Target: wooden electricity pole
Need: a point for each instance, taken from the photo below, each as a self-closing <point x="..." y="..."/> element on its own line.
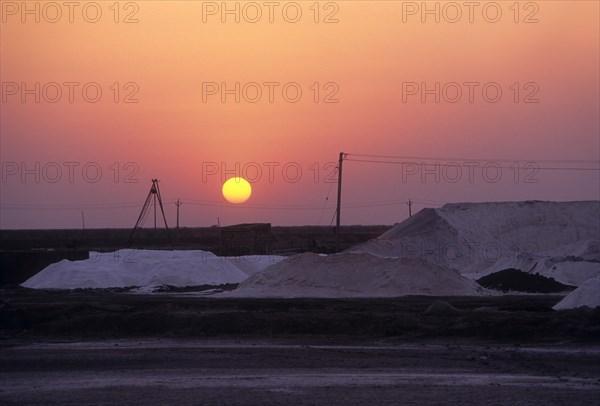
<point x="339" y="204"/>
<point x="178" y="203"/>
<point x="409" y="204"/>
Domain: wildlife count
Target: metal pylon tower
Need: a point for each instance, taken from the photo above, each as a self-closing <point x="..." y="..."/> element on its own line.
<point x="152" y="198"/>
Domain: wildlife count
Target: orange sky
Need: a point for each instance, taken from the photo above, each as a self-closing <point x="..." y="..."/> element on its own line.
<point x="367" y="57"/>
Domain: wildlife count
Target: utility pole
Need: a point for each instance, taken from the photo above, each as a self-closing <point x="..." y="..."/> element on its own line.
<point x="339" y="203"/>
<point x="82" y="221"/>
<point x="409" y="204"/>
<point x="178" y="203"/>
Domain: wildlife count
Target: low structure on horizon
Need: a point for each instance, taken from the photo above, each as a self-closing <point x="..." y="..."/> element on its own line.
<point x="247" y="239"/>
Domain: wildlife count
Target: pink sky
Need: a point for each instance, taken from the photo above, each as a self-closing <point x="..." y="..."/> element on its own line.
<point x="374" y="61"/>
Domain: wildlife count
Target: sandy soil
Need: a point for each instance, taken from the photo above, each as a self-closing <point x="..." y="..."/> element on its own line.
<point x="101" y="347"/>
<point x="274" y="373"/>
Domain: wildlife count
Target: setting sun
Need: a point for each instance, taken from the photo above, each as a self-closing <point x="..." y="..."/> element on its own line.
<point x="237" y="190"/>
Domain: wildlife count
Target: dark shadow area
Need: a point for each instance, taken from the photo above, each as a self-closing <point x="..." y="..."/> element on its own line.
<point x="518" y="281"/>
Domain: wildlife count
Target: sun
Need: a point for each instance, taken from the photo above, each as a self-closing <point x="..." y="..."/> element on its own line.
<point x="237" y="190"/>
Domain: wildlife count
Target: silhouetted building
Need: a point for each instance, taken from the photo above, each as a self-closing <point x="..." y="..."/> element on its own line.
<point x="246" y="239"/>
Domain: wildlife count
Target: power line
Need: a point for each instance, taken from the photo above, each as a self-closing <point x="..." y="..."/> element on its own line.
<point x="327" y="199"/>
<point x="67" y="206"/>
<point x="194" y="202"/>
<point x="528" y="165"/>
<point x="586" y="161"/>
<point x="515" y="164"/>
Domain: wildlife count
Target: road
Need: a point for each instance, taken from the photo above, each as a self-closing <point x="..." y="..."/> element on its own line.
<point x="297" y="372"/>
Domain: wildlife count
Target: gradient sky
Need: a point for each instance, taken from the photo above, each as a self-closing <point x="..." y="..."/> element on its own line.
<point x="371" y="58"/>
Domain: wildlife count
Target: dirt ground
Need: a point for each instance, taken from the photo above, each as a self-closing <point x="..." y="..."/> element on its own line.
<point x="102" y="347"/>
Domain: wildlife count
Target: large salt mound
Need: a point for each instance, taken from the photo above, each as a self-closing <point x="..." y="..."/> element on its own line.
<point x="251" y="264"/>
<point x="147" y="268"/>
<point x="554" y="239"/>
<point x="588" y="294"/>
<point x="354" y="275"/>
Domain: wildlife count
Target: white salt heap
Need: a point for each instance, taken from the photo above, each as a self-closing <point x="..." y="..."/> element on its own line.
<point x="588" y="294"/>
<point x="148" y="268"/>
<point x="440" y="251"/>
<point x="435" y="252"/>
<point x="353" y="274"/>
<point x="555" y="239"/>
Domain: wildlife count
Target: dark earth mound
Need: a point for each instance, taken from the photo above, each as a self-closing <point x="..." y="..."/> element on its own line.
<point x="518" y="281"/>
<point x="197" y="288"/>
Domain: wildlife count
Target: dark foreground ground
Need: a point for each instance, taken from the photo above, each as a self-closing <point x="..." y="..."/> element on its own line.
<point x="99" y="347"/>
